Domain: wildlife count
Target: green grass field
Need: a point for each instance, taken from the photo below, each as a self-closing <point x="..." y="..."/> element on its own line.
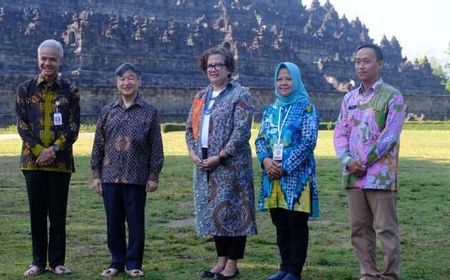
<point x="173" y="251"/>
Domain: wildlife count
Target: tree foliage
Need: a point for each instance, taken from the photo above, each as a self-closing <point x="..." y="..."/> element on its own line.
<point x="442" y="72"/>
<point x="447" y="70"/>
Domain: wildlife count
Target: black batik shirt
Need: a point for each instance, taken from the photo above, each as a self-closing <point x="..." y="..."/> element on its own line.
<point x="127" y="146"/>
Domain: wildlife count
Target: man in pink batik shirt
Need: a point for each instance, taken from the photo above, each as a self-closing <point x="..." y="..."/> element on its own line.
<point x="366" y="140"/>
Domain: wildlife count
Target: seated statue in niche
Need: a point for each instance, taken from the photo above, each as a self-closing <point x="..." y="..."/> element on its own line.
<point x="72" y="33"/>
<point x="35" y="21"/>
<point x="140" y="26"/>
<point x="169" y="32"/>
<point x="2" y="14"/>
<point x="136" y="22"/>
<point x="278" y="43"/>
<point x="84" y="18"/>
<point x="198" y="32"/>
<point x="113" y="26"/>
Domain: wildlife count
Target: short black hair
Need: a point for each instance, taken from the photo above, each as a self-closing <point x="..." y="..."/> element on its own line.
<point x="377" y="50"/>
<point x="127" y="66"/>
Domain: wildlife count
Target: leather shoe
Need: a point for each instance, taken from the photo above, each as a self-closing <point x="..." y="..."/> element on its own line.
<point x="207" y="274"/>
<point x="277" y="276"/>
<point x="220" y="276"/>
<point x="291" y="276"/>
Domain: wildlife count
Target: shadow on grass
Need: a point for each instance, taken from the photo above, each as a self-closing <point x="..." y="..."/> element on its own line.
<point x="173" y="251"/>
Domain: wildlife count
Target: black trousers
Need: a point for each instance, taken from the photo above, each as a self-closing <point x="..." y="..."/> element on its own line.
<point x="232" y="247"/>
<point x="47" y="197"/>
<point x="125" y="202"/>
<point x="292" y="238"/>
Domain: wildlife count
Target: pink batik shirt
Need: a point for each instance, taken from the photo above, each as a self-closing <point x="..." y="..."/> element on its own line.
<point x="368" y="129"/>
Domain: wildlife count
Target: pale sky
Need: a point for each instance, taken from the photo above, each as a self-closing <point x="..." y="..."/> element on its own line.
<point x="421" y="27"/>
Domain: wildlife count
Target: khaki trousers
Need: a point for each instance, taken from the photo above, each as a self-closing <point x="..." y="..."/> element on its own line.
<point x="373" y="214"/>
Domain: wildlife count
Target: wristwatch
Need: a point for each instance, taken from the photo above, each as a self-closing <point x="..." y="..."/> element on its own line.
<point x="56" y="147"/>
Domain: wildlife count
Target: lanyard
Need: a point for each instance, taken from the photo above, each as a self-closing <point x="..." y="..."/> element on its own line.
<point x="280" y="129"/>
<point x="209" y="98"/>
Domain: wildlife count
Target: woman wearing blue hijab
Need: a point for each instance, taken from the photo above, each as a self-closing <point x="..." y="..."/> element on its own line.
<point x="285" y="148"/>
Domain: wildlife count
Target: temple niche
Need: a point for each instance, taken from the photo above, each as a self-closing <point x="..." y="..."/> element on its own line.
<point x="165" y="37"/>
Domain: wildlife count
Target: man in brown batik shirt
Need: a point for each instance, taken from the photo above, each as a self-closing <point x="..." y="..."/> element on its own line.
<point x="48" y="121"/>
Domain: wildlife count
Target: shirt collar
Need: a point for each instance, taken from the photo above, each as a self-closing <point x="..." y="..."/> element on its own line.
<point x="40" y="80"/>
<point x="373" y="88"/>
<point x="227" y="84"/>
<point x="137" y="101"/>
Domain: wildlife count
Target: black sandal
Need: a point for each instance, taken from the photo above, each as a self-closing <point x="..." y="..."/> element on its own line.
<point x="207" y="274"/>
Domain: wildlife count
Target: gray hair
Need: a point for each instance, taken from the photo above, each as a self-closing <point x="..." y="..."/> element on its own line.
<point x="50" y="43"/>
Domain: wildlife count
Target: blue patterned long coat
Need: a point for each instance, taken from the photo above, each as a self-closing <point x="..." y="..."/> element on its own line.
<point x="224" y="205"/>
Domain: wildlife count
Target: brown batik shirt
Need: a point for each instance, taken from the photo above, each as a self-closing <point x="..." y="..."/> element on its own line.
<point x="36" y="103"/>
<point x="127" y="146"/>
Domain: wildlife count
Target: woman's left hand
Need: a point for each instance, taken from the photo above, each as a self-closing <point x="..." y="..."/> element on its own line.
<point x="209" y="163"/>
<point x="273" y="168"/>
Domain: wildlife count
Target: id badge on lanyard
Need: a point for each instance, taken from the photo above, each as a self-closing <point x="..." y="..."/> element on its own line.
<point x="277" y="151"/>
<point x="57" y="116"/>
<point x="278" y="147"/>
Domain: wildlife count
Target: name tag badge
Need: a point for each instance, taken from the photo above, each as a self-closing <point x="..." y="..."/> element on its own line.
<point x="277" y="151"/>
<point x="352" y="107"/>
<point x="57" y="119"/>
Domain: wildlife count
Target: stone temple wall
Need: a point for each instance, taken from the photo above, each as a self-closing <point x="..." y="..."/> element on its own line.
<point x="174" y="104"/>
<point x="165" y="37"/>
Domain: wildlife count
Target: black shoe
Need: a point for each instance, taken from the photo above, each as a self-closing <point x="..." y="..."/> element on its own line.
<point x="220" y="276"/>
<point x="277" y="276"/>
<point x="207" y="274"/>
<point x="291" y="276"/>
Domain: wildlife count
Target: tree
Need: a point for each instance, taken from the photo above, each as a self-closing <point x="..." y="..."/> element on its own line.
<point x="447" y="68"/>
<point x="438" y="70"/>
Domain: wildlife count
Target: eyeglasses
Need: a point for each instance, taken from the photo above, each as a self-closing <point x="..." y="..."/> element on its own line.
<point x="216" y="67"/>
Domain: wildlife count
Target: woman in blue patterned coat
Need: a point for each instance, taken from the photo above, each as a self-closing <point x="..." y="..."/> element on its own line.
<point x="285" y="148"/>
<point x="217" y="135"/>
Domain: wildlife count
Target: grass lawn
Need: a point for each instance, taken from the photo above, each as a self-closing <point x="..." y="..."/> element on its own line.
<point x="173" y="251"/>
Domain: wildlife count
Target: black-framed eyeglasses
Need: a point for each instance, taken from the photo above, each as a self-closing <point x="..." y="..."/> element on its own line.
<point x="217" y="66"/>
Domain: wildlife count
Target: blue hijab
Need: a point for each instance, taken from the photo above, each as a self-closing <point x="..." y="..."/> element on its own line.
<point x="299" y="93"/>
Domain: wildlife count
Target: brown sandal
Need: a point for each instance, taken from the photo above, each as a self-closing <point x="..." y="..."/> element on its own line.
<point x="33" y="270"/>
<point x="61" y="270"/>
<point x="110" y="272"/>
<point x="135" y="273"/>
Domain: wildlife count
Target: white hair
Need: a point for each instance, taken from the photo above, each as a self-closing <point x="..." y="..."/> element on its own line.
<point x="52" y="44"/>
